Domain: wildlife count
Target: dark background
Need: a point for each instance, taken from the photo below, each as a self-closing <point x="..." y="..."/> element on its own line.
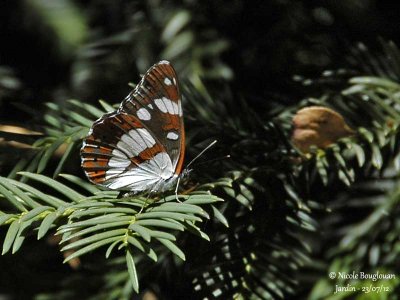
<point x="83" y="56"/>
<point x="51" y="51"/>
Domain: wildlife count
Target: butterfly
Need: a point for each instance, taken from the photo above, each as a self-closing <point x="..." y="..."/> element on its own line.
<point x="140" y="146"/>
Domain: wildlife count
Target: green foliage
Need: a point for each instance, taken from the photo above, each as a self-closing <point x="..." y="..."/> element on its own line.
<point x="363" y="216"/>
<point x="255" y="235"/>
<point x="268" y="222"/>
<point x="370" y="105"/>
<point x="100" y="219"/>
<point x="92" y="218"/>
<point x="87" y="218"/>
<point x="368" y="245"/>
<point x="376" y="135"/>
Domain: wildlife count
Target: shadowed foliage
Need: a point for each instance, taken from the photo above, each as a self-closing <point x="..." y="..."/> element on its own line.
<point x="303" y="180"/>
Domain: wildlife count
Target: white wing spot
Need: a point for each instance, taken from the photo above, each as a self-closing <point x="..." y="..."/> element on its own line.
<point x="118" y="153"/>
<point x="160" y="104"/>
<point x="113" y="173"/>
<point x="167" y="81"/>
<point x="167" y="106"/>
<point x="143" y="114"/>
<point x="150" y="106"/>
<point x="135" y="141"/>
<point x="118" y="162"/>
<point x="174" y="80"/>
<point x="142" y="137"/>
<point x="172" y="136"/>
<point x="180" y="108"/>
<point x="157" y="171"/>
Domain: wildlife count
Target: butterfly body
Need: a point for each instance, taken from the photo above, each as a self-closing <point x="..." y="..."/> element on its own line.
<point x="140" y="146"/>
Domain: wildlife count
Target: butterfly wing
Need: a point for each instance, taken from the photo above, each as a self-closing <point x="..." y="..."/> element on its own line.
<point x="156" y="102"/>
<point x="141" y="145"/>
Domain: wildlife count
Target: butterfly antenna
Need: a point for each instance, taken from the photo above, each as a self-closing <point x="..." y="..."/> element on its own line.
<point x="214" y="159"/>
<point x="201" y="153"/>
<point x="197" y="156"/>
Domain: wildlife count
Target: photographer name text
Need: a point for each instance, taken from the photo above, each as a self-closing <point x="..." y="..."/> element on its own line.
<point x="365" y="276"/>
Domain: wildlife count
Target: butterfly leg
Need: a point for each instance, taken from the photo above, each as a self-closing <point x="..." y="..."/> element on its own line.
<point x="176" y="190"/>
<point x="153" y="190"/>
<point x="145" y="202"/>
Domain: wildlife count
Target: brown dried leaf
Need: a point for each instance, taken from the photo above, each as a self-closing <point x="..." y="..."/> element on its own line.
<point x="318" y="126"/>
